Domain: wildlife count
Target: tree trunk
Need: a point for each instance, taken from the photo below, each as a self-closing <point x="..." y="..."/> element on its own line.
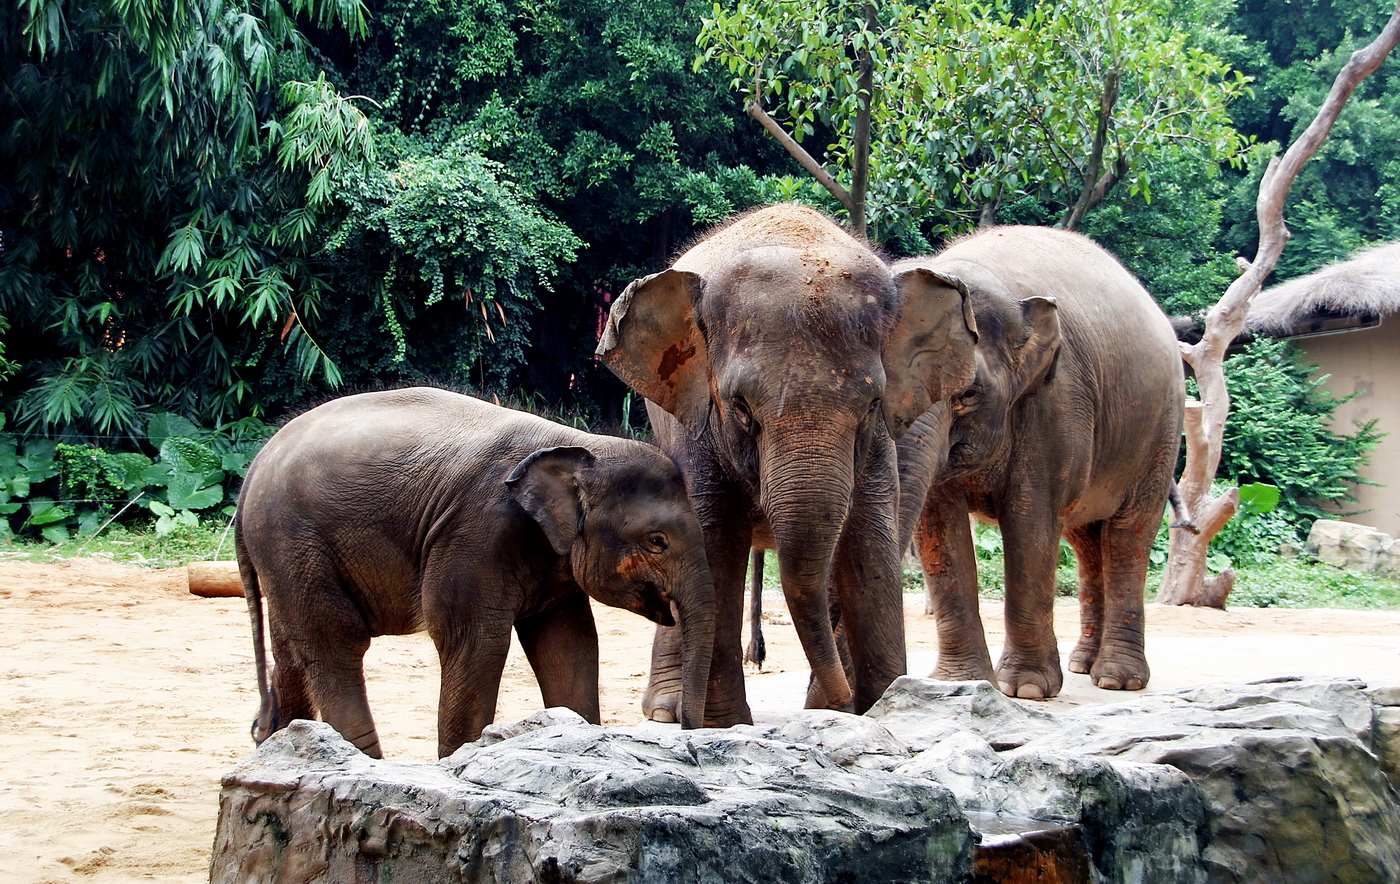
<point x="1095" y="188"/>
<point x="1184" y="581"/>
<point x="860" y="146"/>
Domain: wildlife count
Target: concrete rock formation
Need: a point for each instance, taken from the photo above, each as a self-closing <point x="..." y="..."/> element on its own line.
<point x="1282" y="781"/>
<point x="1353" y="547"/>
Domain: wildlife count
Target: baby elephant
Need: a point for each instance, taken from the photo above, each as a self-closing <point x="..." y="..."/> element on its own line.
<point x="420" y="509"/>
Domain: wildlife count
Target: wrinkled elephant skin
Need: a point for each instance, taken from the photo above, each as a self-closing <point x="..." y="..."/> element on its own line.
<point x="419" y="509"/>
<point x="1071" y="428"/>
<point x="780" y="363"/>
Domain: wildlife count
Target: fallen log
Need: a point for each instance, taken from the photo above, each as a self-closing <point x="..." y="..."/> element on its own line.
<point x="214" y="579"/>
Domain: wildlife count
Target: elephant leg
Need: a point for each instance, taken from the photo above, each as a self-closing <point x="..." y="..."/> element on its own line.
<point x="1087" y="541"/>
<point x="562" y="647"/>
<point x="291" y="691"/>
<point x="320" y="663"/>
<point x="728" y="535"/>
<point x="944" y="542"/>
<point x="1121" y="663"/>
<point x="472" y="661"/>
<point x="292" y="694"/>
<point x="1030" y="662"/>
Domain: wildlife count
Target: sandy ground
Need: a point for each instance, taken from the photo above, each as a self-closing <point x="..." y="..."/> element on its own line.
<point x="123" y="699"/>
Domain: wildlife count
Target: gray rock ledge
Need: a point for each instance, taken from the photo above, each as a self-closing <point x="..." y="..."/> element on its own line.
<point x="1280" y="781"/>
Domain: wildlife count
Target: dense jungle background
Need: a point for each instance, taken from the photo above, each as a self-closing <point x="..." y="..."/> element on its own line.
<point x="214" y="213"/>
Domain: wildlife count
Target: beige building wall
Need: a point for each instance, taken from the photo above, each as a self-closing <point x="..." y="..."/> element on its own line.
<point x="1368" y="361"/>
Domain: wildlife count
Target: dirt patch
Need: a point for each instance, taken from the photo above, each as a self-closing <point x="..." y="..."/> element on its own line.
<point x="124" y="699"/>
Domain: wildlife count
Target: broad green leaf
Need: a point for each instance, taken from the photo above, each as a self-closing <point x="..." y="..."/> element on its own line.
<point x="188" y="456"/>
<point x="1257" y="498"/>
<point x="46" y="512"/>
<point x="164" y="425"/>
<point x="190" y="491"/>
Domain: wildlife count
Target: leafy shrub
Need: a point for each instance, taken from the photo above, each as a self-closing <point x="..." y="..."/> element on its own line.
<point x="1298" y="583"/>
<point x="1279" y="433"/>
<point x="53" y="489"/>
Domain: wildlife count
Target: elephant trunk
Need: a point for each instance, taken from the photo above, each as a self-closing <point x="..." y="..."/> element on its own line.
<point x="806" y="500"/>
<point x="695" y="616"/>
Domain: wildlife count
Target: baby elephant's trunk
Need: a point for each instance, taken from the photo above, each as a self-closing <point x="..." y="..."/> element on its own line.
<point x="695" y="615"/>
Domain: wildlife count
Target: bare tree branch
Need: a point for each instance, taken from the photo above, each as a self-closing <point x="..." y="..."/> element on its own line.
<point x="800" y="154"/>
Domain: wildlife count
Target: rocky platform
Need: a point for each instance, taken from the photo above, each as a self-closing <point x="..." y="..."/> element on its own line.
<point x="1289" y="780"/>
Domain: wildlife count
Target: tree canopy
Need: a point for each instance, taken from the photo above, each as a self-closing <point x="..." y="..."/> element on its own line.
<point x="972" y="105"/>
<point x="229" y="208"/>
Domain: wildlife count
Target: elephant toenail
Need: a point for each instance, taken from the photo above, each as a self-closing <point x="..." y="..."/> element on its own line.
<point x="1030" y="692"/>
<point x="665" y="716"/>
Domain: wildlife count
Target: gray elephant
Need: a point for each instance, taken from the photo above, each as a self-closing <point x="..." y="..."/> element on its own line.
<point x="1071" y="428"/>
<point x="419" y="509"/>
<point x="780" y="358"/>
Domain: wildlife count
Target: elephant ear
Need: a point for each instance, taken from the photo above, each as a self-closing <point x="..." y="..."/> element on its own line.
<point x="1039" y="352"/>
<point x="548" y="485"/>
<point x="653" y="343"/>
<point x="930" y="354"/>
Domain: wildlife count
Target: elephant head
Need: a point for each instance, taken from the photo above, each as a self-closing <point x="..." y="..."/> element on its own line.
<point x="1017" y="351"/>
<point x="632" y="541"/>
<point x="784" y="347"/>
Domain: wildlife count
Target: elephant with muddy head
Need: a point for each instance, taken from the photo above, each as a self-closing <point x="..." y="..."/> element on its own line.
<point x="780" y="359"/>
<point x="1071" y="427"/>
<point x="419" y="509"/>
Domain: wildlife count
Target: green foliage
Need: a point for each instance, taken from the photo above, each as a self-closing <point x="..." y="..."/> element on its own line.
<point x="445" y="240"/>
<point x="975" y="105"/>
<point x="1031" y="91"/>
<point x="1168" y="244"/>
<point x="1279" y="433"/>
<point x="1298" y="583"/>
<point x="58" y="490"/>
<point x="1253" y="537"/>
<point x="1346" y="196"/>
<point x="133" y="544"/>
<point x="162" y="173"/>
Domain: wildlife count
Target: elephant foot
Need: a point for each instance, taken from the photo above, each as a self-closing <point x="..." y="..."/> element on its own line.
<point x="1124" y="670"/>
<point x="1030" y="677"/>
<point x="963" y="667"/>
<point x="664" y="706"/>
<point x="1081" y="660"/>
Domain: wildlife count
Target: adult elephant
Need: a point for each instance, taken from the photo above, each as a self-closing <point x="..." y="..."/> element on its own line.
<point x="1070" y="428"/>
<point x="780" y="358"/>
<point x="419" y="509"/>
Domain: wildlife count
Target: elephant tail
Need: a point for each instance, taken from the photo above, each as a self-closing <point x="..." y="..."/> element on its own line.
<point x="756" y="652"/>
<point x="266" y="722"/>
<point x="1181" y="516"/>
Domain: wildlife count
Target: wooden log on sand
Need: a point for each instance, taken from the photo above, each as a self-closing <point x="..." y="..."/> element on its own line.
<point x="214" y="579"/>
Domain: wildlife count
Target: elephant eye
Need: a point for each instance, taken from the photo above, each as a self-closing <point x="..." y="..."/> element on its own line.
<point x="657" y="542"/>
<point x="969" y="397"/>
<point x="874" y="407"/>
<point x="743" y="415"/>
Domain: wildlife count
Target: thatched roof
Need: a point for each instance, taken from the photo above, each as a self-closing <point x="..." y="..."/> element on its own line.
<point x="1365" y="287"/>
